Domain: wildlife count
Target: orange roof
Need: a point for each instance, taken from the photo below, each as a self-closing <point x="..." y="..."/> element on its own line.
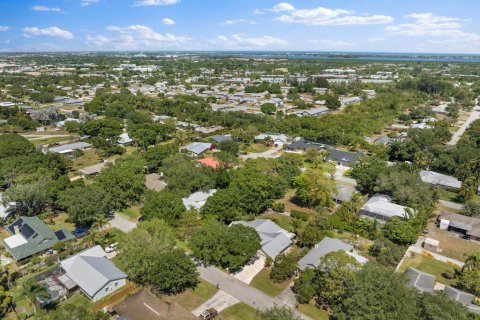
<point x="210" y="162"/>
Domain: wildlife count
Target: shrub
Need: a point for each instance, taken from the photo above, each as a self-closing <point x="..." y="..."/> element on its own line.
<point x="278" y="207"/>
<point x="299" y="215"/>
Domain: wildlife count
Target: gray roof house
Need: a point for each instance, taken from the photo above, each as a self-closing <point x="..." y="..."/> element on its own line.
<point x="274" y="240"/>
<point x="469" y="227"/>
<point x="312" y="258"/>
<point x="93" y="273"/>
<point x="30" y="235"/>
<point x="419" y="280"/>
<point x="314" y="112"/>
<point x="277" y="138"/>
<point x="198" y="199"/>
<point x="343" y="193"/>
<point x="197" y="148"/>
<point x="221" y="138"/>
<point x="382" y="209"/>
<point x="70" y="148"/>
<point x="344" y="158"/>
<point x="440" y="180"/>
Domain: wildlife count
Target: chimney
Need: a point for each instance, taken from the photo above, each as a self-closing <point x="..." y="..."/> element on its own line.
<point x="16" y="229"/>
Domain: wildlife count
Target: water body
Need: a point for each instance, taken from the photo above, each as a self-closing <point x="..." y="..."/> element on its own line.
<point x="310" y="55"/>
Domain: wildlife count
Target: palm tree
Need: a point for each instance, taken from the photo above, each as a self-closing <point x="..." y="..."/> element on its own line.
<point x="100" y="222"/>
<point x="32" y="291"/>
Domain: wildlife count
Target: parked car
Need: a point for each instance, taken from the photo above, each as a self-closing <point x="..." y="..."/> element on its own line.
<point x="111" y="247"/>
<point x="208" y="314"/>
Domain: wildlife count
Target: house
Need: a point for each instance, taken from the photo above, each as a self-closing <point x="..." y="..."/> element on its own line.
<point x="440" y="180"/>
<point x="197" y="148"/>
<point x="312" y="259"/>
<point x="314" y="112"/>
<point x="349" y="100"/>
<point x="343" y="193"/>
<point x="419" y="280"/>
<point x="221" y="138"/>
<point x="210" y="162"/>
<point x="467" y="227"/>
<point x="30" y="235"/>
<point x="384" y="141"/>
<point x="278" y="139"/>
<point x="69" y="149"/>
<point x="381" y="208"/>
<point x="198" y="199"/>
<point x="301" y="144"/>
<point x="93" y="273"/>
<point x="274" y="240"/>
<point x="124" y="139"/>
<point x="344" y="158"/>
<point x="93" y="169"/>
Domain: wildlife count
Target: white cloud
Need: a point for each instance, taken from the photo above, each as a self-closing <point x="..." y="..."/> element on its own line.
<point x="325" y="16"/>
<point x="135" y="37"/>
<point x="86" y="3"/>
<point x="50" y="32"/>
<point x="141" y="3"/>
<point x="230" y="22"/>
<point x="241" y="41"/>
<point x="283" y="6"/>
<point x="447" y="31"/>
<point x="47" y="9"/>
<point x="258" y="11"/>
<point x="168" y="22"/>
<point x="4" y="28"/>
<point x="333" y="43"/>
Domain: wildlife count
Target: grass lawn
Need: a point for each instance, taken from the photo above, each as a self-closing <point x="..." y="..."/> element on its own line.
<point x="453" y="196"/>
<point x="60" y="222"/>
<point x="289" y="205"/>
<point x="191" y="299"/>
<point x="89" y="158"/>
<point x="256" y="148"/>
<point x="117" y="235"/>
<point x="283" y="221"/>
<point x="132" y="213"/>
<point x="239" y="311"/>
<point x="54" y="139"/>
<point x="78" y="299"/>
<point x="263" y="283"/>
<point x="429" y="265"/>
<point x="309" y="309"/>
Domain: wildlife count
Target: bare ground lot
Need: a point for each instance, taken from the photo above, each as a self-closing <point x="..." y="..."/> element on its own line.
<point x="452" y="246"/>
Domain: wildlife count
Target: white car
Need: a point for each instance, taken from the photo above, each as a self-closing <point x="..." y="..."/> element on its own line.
<point x="111" y="247"/>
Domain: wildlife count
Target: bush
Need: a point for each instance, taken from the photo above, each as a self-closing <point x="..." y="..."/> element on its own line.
<point x="299" y="215"/>
<point x="268" y="262"/>
<point x="278" y="207"/>
<point x="284" y="267"/>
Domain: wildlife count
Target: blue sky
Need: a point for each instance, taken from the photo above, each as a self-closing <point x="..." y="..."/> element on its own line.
<point x="443" y="26"/>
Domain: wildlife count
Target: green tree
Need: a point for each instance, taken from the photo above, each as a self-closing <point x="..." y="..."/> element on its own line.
<point x="83" y="204"/>
<point x="268" y="108"/>
<point x="304" y="286"/>
<point x="439" y="306"/>
<point x="14" y="145"/>
<point x="143" y="246"/>
<point x="314" y="189"/>
<point x="227" y="247"/>
<point x="400" y="232"/>
<point x="164" y="205"/>
<point x="284" y="267"/>
<point x="223" y="206"/>
<point x="173" y="273"/>
<point x="386" y="252"/>
<point x="471" y="208"/>
<point x="32" y="291"/>
<point x="332" y="102"/>
<point x="469" y="277"/>
<point x="376" y="293"/>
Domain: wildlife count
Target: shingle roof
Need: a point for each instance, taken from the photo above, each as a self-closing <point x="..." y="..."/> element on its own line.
<point x="327" y="245"/>
<point x="382" y="206"/>
<point x="439" y="179"/>
<point x="70" y="147"/>
<point x="458" y="295"/>
<point x="91" y="270"/>
<point x="274" y="240"/>
<point x="37" y="237"/>
<point x="419" y="280"/>
<point x="198" y="147"/>
<point x="198" y="199"/>
<point x="221" y="138"/>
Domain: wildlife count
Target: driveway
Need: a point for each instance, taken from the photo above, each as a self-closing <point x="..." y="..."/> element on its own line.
<point x="241" y="291"/>
<point x="269" y="154"/>
<point x="288" y="296"/>
<point x="339" y="176"/>
<point x="249" y="272"/>
<point x="457" y="135"/>
<point x="220" y="301"/>
<point x="122" y="223"/>
<point x="450" y="204"/>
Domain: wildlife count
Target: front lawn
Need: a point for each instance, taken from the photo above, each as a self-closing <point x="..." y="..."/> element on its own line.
<point x="50" y="140"/>
<point x="239" y="311"/>
<point x="191" y="299"/>
<point x="429" y="265"/>
<point x="285" y="222"/>
<point x="256" y="148"/>
<point x="263" y="283"/>
<point x="132" y="213"/>
<point x="309" y="309"/>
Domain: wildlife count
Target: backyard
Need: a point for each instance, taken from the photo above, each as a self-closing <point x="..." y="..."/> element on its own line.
<point x="429" y="265"/>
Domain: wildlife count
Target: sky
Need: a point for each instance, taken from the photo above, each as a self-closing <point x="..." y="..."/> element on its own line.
<point x="424" y="26"/>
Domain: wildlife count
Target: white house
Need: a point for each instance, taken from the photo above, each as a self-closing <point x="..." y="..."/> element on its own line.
<point x="93" y="273"/>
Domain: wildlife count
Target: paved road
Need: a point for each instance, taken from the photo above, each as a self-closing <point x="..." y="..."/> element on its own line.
<point x="457" y="135"/>
<point x="241" y="291"/>
<point x="122" y="223"/>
